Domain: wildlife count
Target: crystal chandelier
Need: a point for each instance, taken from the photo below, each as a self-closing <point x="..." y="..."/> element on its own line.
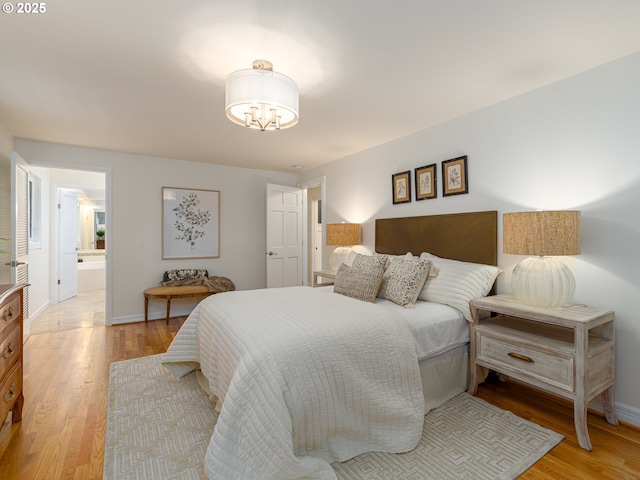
<point x="262" y="99"/>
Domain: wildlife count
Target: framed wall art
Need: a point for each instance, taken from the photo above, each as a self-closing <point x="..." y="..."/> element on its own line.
<point x="190" y="223"/>
<point x="425" y="178"/>
<point x="401" y="183"/>
<point x="454" y="176"/>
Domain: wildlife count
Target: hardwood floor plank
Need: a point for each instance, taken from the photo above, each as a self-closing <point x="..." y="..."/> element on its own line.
<point x="66" y="378"/>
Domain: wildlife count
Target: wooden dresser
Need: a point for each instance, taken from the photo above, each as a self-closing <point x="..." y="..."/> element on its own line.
<point x="11" y="398"/>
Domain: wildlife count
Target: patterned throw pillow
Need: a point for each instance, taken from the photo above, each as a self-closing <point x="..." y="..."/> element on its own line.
<point x="183" y="273"/>
<point x="369" y="261"/>
<point x="403" y="281"/>
<point x="360" y="283"/>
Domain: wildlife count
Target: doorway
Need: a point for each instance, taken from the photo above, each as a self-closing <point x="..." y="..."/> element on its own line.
<point x="56" y="306"/>
<point x="314" y="193"/>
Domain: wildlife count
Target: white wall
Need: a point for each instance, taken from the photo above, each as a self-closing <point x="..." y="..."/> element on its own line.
<point x="574" y="144"/>
<point x="135" y="232"/>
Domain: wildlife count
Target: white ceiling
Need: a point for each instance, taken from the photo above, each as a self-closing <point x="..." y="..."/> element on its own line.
<point x="147" y="76"/>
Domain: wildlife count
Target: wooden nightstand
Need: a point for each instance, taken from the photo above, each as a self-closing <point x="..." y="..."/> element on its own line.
<point x="324" y="274"/>
<point x="568" y="351"/>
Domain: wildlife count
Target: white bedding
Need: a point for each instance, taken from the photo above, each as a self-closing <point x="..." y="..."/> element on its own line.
<point x="322" y="380"/>
<point x="437" y="328"/>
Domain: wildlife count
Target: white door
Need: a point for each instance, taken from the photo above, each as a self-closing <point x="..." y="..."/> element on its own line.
<point x="284" y="236"/>
<point x="20" y="231"/>
<point x="68" y="228"/>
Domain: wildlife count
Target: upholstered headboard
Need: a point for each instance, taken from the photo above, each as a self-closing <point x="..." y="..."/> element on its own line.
<point x="470" y="237"/>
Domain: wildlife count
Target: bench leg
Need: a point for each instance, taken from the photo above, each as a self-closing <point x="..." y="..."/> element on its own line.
<point x="146" y="308"/>
<point x="168" y="308"/>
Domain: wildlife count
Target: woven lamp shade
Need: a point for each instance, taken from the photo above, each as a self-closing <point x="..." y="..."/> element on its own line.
<point x="546" y="233"/>
<point x="542" y="280"/>
<point x="344" y="234"/>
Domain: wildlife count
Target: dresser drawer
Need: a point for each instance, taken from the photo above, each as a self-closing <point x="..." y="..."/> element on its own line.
<point x="526" y="362"/>
<point x="10" y="347"/>
<point x="9" y="312"/>
<point x="10" y="389"/>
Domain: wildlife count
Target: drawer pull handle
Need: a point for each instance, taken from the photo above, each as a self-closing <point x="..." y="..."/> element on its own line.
<point x="10" y="394"/>
<point x="8" y="314"/>
<point x="517" y="356"/>
<point x="8" y="351"/>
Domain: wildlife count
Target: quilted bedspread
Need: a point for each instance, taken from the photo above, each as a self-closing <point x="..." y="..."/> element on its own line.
<point x="306" y="377"/>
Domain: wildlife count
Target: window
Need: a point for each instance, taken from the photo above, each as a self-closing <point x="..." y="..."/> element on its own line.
<point x="35" y="210"/>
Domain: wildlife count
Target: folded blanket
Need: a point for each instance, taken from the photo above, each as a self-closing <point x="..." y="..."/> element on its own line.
<point x="214" y="284"/>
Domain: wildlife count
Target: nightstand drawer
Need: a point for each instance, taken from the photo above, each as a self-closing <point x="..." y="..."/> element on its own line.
<point x="9" y="312"/>
<point x="525" y="361"/>
<point x="10" y="389"/>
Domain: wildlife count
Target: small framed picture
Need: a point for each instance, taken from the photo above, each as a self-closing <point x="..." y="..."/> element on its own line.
<point x="401" y="187"/>
<point x="454" y="176"/>
<point x="425" y="178"/>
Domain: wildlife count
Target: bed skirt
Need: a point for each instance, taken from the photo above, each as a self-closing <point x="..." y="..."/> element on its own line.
<point x="444" y="376"/>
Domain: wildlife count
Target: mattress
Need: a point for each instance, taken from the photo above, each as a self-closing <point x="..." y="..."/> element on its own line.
<point x="437" y="328"/>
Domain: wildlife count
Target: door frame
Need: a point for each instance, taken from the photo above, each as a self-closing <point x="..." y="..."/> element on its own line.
<point x="306" y="220"/>
<point x="54" y="237"/>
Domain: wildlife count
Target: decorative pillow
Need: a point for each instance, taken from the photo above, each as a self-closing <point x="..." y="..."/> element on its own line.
<point x="403" y="281"/>
<point x="457" y="283"/>
<point x="406" y="256"/>
<point x="183" y="273"/>
<point x="360" y="283"/>
<point x="369" y="261"/>
<point x="433" y="271"/>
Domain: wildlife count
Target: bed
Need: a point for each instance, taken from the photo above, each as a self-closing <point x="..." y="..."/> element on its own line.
<point x="303" y="377"/>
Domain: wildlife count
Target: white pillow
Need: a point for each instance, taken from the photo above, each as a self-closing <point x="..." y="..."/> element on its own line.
<point x="351" y="258"/>
<point x="457" y="283"/>
<point x="403" y="280"/>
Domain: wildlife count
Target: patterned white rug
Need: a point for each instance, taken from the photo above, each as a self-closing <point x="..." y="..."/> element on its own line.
<point x="159" y="427"/>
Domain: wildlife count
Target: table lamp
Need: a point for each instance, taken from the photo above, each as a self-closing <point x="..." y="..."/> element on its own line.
<point x="343" y="234"/>
<point x="542" y="281"/>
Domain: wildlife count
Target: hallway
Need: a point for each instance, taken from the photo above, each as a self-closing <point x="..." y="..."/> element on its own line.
<point x="82" y="311"/>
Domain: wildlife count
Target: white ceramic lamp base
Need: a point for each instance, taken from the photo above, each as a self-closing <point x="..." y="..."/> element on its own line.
<point x="543" y="282"/>
<point x="338" y="257"/>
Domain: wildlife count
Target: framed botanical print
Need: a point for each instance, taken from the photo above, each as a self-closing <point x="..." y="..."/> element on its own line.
<point x="401" y="183"/>
<point x="454" y="176"/>
<point x="190" y="223"/>
<point x="425" y="178"/>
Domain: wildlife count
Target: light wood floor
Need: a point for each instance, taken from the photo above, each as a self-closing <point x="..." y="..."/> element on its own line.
<point x="84" y="310"/>
<point x="66" y="380"/>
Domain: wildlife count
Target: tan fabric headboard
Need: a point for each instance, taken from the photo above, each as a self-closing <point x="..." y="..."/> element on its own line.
<point x="470" y="237"/>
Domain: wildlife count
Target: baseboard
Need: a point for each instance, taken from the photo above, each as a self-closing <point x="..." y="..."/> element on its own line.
<point x="624" y="412"/>
<point x="140" y="318"/>
<point x="43" y="307"/>
<point x="127" y="319"/>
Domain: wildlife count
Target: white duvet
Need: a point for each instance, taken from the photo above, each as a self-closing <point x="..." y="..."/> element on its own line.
<point x="306" y="377"/>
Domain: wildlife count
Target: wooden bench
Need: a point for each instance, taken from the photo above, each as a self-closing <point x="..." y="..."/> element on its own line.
<point x="168" y="293"/>
<point x="180" y="291"/>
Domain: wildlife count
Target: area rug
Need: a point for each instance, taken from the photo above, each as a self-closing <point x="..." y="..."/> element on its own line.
<point x="158" y="427"/>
